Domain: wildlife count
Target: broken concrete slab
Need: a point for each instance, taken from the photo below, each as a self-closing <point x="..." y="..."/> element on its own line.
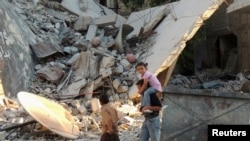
<point x="80" y="62"/>
<point x="156" y="18"/>
<point x="238" y="4"/>
<point x="82" y="23"/>
<point x="93" y="9"/>
<point x="211" y="84"/>
<point x="91" y="32"/>
<point x="70" y="50"/>
<point x="107" y="62"/>
<point x="125" y="29"/>
<point x="95" y="105"/>
<point x="73" y="88"/>
<point x="184" y="20"/>
<point x="147" y="19"/>
<point x="74" y="6"/>
<point x="105" y="20"/>
<point x="116" y="83"/>
<point x="50" y="73"/>
<point x="89" y="90"/>
<point x="43" y="50"/>
<point x="105" y="72"/>
<point x="122" y="89"/>
<point x="59" y="15"/>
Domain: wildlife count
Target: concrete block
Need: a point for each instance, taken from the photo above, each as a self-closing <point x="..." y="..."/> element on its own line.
<point x="106" y="20"/>
<point x="91" y="32"/>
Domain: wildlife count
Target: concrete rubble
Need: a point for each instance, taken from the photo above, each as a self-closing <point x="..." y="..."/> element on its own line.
<point x="86" y="114"/>
<point x="80" y="54"/>
<point x="213" y="80"/>
<point x="77" y="59"/>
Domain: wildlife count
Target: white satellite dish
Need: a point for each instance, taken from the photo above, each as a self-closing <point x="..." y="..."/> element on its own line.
<point x="50" y="114"/>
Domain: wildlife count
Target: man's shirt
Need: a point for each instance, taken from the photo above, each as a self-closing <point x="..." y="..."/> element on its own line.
<point x="154" y="100"/>
<point x="109" y="119"/>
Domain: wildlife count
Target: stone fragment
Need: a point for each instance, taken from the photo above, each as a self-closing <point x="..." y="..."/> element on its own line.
<point x="75" y="103"/>
<point x="75" y="111"/>
<point x="125" y="63"/>
<point x="51" y="74"/>
<point x="47" y="91"/>
<point x="3" y="135"/>
<point x="107" y="62"/>
<point x="45" y="49"/>
<point x="96" y="41"/>
<point x="70" y="50"/>
<point x="106" y="72"/>
<point x="38" y="67"/>
<point x="131" y="58"/>
<point x="82" y="109"/>
<point x="106" y="20"/>
<point x="122" y="89"/>
<point x="9" y="103"/>
<point x="91" y="32"/>
<point x="82" y="23"/>
<point x="18" y="120"/>
<point x="116" y="83"/>
<point x="95" y="105"/>
<point x="118" y="69"/>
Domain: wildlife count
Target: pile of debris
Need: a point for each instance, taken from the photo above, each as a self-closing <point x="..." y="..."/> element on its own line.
<point x="215" y="80"/>
<point x="81" y="51"/>
<point x="17" y="124"/>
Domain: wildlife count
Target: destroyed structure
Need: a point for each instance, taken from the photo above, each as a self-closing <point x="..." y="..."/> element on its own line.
<point x="71" y="51"/>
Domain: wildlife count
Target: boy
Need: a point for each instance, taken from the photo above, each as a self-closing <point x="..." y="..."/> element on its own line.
<point x="151" y="125"/>
<point x="109" y="120"/>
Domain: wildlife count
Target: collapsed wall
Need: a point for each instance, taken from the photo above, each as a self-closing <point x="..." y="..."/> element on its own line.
<point x="15" y="54"/>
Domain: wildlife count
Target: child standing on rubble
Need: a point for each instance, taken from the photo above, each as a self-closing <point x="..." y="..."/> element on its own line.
<point x="153" y="81"/>
<point x="109" y="120"/>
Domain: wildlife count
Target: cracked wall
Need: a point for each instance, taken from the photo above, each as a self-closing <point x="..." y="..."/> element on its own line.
<point x="15" y="53"/>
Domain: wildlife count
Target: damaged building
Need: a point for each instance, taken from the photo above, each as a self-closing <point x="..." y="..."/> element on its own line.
<point x="225" y="39"/>
<point x="62" y="54"/>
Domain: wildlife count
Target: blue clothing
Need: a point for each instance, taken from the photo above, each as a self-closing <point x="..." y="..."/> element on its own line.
<point x="145" y="100"/>
<point x="151" y="125"/>
<point x="150" y="129"/>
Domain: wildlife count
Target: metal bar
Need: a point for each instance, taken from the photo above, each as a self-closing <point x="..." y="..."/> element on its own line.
<point x="7" y="137"/>
<point x="73" y="96"/>
<point x="18" y="126"/>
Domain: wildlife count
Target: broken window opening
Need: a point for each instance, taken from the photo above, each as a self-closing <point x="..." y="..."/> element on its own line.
<point x="185" y="61"/>
<point x="226" y="52"/>
<point x="191" y="58"/>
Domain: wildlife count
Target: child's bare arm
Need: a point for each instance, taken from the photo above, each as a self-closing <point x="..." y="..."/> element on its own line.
<point x="153" y="108"/>
<point x="144" y="86"/>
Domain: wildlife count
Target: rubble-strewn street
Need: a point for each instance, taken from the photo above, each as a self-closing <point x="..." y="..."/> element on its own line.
<point x="18" y="125"/>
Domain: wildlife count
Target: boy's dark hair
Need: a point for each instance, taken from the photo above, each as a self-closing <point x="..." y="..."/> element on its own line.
<point x="141" y="64"/>
<point x="140" y="82"/>
<point x="104" y="99"/>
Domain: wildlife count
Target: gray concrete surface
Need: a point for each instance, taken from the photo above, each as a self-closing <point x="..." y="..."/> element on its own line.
<point x="190" y="111"/>
<point x="15" y="38"/>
